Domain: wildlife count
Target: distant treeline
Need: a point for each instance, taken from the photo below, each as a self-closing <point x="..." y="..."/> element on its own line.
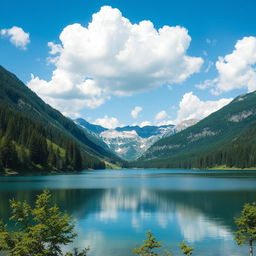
<point x="241" y="152"/>
<point x="27" y="144"/>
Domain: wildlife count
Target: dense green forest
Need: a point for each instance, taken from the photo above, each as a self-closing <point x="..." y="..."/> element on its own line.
<point x="241" y="152"/>
<point x="226" y="138"/>
<point x="19" y="97"/>
<point x="34" y="136"/>
<point x="27" y="144"/>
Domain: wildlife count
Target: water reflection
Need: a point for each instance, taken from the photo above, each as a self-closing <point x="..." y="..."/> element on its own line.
<point x="114" y="210"/>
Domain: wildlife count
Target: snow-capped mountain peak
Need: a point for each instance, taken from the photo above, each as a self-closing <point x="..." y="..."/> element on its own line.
<point x="130" y="142"/>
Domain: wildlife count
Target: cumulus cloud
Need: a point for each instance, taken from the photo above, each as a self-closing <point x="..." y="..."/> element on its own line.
<point x="117" y="57"/>
<point x="108" y="122"/>
<point x="17" y="36"/>
<point x="166" y="122"/>
<point x="191" y="107"/>
<point x="135" y="112"/>
<point x="161" y="115"/>
<point x="54" y="48"/>
<point x="236" y="70"/>
<point x="145" y="123"/>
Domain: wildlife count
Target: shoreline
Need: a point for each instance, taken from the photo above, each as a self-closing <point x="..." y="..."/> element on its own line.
<point x="220" y="168"/>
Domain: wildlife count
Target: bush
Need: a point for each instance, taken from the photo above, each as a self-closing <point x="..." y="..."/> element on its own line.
<point x="41" y="231"/>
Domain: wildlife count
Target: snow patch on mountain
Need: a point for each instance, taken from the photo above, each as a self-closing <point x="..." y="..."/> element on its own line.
<point x="127" y="144"/>
<point x="130" y="146"/>
<point x="130" y="142"/>
<point x="204" y="133"/>
<point x="241" y="116"/>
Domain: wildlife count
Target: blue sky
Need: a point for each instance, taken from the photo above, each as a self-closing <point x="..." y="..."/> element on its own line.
<point x="213" y="26"/>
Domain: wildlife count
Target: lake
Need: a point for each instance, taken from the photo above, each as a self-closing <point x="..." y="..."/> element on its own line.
<point x="114" y="208"/>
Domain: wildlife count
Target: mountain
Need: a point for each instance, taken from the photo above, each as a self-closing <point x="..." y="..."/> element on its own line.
<point x="214" y="141"/>
<point x="91" y="127"/>
<point x="130" y="142"/>
<point x="92" y="132"/>
<point x="145" y="131"/>
<point x="238" y="153"/>
<point x="25" y="117"/>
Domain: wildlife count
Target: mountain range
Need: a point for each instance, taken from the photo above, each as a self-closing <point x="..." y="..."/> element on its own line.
<point x="36" y="137"/>
<point x="130" y="142"/>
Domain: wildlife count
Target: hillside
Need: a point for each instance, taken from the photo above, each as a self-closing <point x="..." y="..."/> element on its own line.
<point x="22" y="111"/>
<point x="209" y="142"/>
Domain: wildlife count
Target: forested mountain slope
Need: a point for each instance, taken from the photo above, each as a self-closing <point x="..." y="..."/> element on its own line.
<point x="210" y="142"/>
<point x="25" y="116"/>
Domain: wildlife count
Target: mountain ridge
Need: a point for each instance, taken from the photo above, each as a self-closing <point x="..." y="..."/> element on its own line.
<point x="16" y="96"/>
<point x="130" y="142"/>
<point x="217" y="130"/>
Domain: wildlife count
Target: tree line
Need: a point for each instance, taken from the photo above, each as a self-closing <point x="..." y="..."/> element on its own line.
<point x="27" y="144"/>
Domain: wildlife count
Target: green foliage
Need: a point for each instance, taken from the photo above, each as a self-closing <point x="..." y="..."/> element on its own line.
<point x="73" y="156"/>
<point x="185" y="249"/>
<point x="246" y="225"/>
<point x="151" y="245"/>
<point x="38" y="149"/>
<point x="37" y="146"/>
<point x="41" y="231"/>
<point x="8" y="154"/>
<point x="147" y="248"/>
<point x="77" y="253"/>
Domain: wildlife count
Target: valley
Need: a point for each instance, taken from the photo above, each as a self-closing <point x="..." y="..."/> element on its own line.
<point x="130" y="142"/>
<point x="224" y="139"/>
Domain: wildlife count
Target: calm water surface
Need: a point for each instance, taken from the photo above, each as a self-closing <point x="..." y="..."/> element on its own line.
<point x="114" y="208"/>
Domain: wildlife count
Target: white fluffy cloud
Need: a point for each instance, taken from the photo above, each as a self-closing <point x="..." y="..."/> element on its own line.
<point x="108" y="122"/>
<point x="145" y="123"/>
<point x="135" y="112"/>
<point x="236" y="70"/>
<point x="161" y="115"/>
<point x="18" y="37"/>
<point x="115" y="57"/>
<point x="191" y="107"/>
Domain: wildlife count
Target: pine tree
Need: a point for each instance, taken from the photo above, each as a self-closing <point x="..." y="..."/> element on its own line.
<point x="187" y="251"/>
<point x="59" y="160"/>
<point x="41" y="230"/>
<point x="246" y="225"/>
<point x="38" y="149"/>
<point x="149" y="246"/>
<point x="77" y="158"/>
<point x="23" y="158"/>
<point x="8" y="153"/>
<point x="51" y="156"/>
